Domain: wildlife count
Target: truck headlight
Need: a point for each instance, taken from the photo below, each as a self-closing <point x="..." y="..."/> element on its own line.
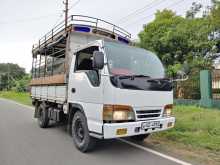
<point x="168" y="110"/>
<point x="118" y="113"/>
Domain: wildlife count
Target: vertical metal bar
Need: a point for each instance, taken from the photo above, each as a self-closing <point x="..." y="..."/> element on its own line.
<point x="39" y="44"/>
<point x="52" y="34"/>
<point x="32" y="67"/>
<point x="45" y="39"/>
<point x="39" y="67"/>
<point x="96" y="24"/>
<point x="52" y="63"/>
<point x="35" y="61"/>
<point x="45" y="65"/>
<point x="52" y="66"/>
<point x="64" y="63"/>
<point x="66" y="54"/>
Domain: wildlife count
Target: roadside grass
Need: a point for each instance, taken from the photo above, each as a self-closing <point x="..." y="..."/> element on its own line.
<point x="23" y="98"/>
<point x="195" y="126"/>
<point x="197" y="131"/>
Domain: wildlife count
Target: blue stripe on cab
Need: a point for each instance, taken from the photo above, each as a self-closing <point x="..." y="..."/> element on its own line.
<point x="124" y="40"/>
<point x="82" y="29"/>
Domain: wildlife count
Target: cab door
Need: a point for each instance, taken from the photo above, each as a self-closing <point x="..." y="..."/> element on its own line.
<point x="86" y="89"/>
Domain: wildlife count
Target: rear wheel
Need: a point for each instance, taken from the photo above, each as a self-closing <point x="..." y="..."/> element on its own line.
<point x="80" y="132"/>
<point x="43" y="119"/>
<point x="139" y="138"/>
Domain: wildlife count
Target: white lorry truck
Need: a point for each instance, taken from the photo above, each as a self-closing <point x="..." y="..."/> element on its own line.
<point x="89" y="76"/>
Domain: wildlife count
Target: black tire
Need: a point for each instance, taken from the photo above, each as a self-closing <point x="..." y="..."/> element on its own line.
<point x="139" y="138"/>
<point x="43" y="119"/>
<point x="80" y="132"/>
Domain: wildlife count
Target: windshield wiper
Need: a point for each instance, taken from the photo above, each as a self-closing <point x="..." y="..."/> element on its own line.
<point x="158" y="79"/>
<point x="132" y="76"/>
<point x="140" y="75"/>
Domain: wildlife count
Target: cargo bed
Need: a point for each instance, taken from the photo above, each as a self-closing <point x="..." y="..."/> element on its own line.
<point x="55" y="93"/>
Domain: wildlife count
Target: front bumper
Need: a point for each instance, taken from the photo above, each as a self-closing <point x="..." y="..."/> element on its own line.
<point x="110" y="130"/>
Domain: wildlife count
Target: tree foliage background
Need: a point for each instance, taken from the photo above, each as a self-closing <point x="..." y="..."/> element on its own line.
<point x="184" y="40"/>
<point x="13" y="77"/>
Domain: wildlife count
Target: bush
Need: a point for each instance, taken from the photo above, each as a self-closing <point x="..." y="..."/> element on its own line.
<point x="22" y="85"/>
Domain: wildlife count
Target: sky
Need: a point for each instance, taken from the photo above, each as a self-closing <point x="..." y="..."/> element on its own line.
<point x="23" y="22"/>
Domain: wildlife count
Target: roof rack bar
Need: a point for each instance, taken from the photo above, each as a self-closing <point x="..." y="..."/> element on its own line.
<point x="102" y="21"/>
<point x="89" y="21"/>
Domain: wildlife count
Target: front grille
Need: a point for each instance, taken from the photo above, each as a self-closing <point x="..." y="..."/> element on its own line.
<point x="148" y="114"/>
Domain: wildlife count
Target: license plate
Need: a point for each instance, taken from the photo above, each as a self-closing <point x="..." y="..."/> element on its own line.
<point x="150" y="124"/>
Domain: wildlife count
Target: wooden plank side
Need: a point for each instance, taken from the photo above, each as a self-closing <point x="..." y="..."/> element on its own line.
<point x="49" y="80"/>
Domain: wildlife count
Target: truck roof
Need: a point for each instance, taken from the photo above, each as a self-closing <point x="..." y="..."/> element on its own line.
<point x="82" y="24"/>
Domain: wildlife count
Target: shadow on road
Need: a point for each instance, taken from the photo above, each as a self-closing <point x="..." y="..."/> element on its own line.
<point x="101" y="145"/>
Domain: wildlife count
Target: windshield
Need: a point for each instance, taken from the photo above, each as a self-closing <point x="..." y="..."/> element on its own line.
<point x="128" y="60"/>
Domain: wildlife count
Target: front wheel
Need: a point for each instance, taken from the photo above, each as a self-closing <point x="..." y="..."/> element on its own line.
<point x="80" y="132"/>
<point x="139" y="138"/>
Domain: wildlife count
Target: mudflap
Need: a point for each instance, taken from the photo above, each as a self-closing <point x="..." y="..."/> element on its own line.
<point x="36" y="113"/>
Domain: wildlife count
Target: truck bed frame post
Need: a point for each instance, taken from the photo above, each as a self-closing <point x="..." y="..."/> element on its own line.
<point x="39" y="72"/>
<point x="45" y="66"/>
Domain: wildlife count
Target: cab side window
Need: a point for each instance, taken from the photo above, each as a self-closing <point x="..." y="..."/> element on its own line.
<point x="84" y="58"/>
<point x="84" y="64"/>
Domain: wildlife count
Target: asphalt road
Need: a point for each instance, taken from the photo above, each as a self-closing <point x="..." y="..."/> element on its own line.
<point x="22" y="142"/>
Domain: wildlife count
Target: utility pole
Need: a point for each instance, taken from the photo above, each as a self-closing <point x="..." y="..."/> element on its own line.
<point x="66" y="3"/>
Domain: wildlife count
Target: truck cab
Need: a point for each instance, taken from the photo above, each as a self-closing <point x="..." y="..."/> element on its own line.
<point x="126" y="91"/>
<point x="110" y="89"/>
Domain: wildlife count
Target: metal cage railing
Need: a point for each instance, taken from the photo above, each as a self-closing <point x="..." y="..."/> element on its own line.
<point x="96" y="23"/>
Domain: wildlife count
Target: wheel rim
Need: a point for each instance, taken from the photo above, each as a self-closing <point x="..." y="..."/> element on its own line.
<point x="79" y="130"/>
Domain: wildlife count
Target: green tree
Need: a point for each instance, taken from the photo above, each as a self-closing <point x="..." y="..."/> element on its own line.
<point x="157" y="36"/>
<point x="22" y="85"/>
<point x="9" y="73"/>
<point x="177" y="40"/>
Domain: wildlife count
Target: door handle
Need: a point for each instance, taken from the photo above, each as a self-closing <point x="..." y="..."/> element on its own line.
<point x="73" y="90"/>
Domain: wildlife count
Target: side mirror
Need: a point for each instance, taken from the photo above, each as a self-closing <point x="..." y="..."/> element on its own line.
<point x="181" y="76"/>
<point x="98" y="60"/>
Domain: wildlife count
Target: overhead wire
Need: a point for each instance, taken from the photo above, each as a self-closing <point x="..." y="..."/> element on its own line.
<point x="150" y="15"/>
<point x="140" y="10"/>
<point x="74" y="4"/>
